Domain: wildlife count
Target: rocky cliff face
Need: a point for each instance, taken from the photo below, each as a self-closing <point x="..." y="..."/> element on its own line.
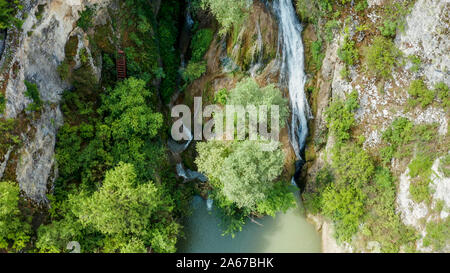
<point x="426" y="36"/>
<point x="33" y="54"/>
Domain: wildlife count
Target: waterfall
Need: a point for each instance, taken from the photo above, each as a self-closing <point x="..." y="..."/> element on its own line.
<point x="293" y="73"/>
<point x="257" y="54"/>
<point x="209" y="204"/>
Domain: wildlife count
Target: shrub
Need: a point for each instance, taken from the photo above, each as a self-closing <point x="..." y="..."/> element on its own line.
<point x="420" y="168"/>
<point x="398" y="134"/>
<point x="388" y="29"/>
<point x="229" y="13"/>
<point x="313" y="200"/>
<point x="362" y="5"/>
<point x="193" y="71"/>
<point x="438" y="234"/>
<point x="340" y="117"/>
<point x="2" y="103"/>
<point x="39" y="12"/>
<point x="85" y="20"/>
<point x="242" y="172"/>
<point x="384" y="224"/>
<point x="8" y="10"/>
<point x="416" y="62"/>
<point x="420" y="94"/>
<point x="317" y="54"/>
<point x="330" y="26"/>
<point x="420" y="190"/>
<point x="200" y="43"/>
<point x="280" y="198"/>
<point x="63" y="70"/>
<point x="221" y="96"/>
<point x="381" y="56"/>
<point x="348" y="52"/>
<point x="248" y="92"/>
<point x="8" y="136"/>
<point x="32" y="93"/>
<point x="352" y="166"/>
<point x="444" y="166"/>
<point x="345" y="206"/>
<point x="443" y="93"/>
<point x="311" y="11"/>
<point x="421" y="165"/>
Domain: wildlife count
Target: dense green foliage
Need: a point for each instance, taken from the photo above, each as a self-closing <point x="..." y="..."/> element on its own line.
<point x="8" y="137"/>
<point x="229" y="13"/>
<point x="438" y="234"/>
<point x="126" y="212"/>
<point x="345" y="206"/>
<point x="221" y="96"/>
<point x="193" y="71"/>
<point x="248" y="92"/>
<point x="200" y="43"/>
<point x="394" y="13"/>
<point x="444" y="165"/>
<point x="443" y="93"/>
<point x="8" y="10"/>
<point x="2" y="103"/>
<point x="353" y="191"/>
<point x="381" y="57"/>
<point x="317" y="53"/>
<point x="168" y="18"/>
<point x="420" y="94"/>
<point x="420" y="171"/>
<point x="32" y="93"/>
<point x="383" y="223"/>
<point x="15" y="230"/>
<point x="246" y="170"/>
<point x="349" y="54"/>
<point x="397" y="135"/>
<point x="85" y="21"/>
<point x="340" y="117"/>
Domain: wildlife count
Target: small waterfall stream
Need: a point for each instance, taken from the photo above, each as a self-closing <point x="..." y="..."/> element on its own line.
<point x="293" y="73"/>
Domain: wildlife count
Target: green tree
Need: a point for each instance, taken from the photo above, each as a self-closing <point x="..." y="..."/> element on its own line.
<point x="229" y="13"/>
<point x="133" y="125"/>
<point x="248" y="172"/>
<point x="248" y="92"/>
<point x="14" y="229"/>
<point x="129" y="214"/>
<point x="243" y="171"/>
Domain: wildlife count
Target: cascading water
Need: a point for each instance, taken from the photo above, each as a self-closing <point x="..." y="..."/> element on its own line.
<point x="257" y="55"/>
<point x="293" y="73"/>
